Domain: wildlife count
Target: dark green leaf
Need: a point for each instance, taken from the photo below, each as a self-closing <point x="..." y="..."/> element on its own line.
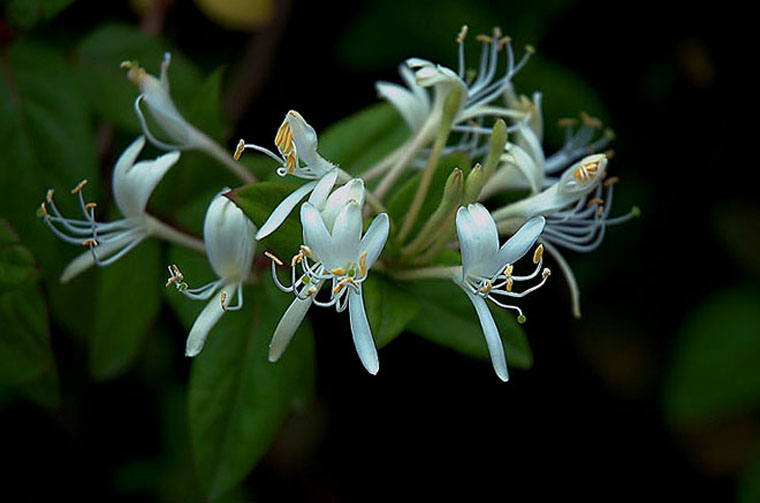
<point x="16" y="262"/>
<point x="206" y="112"/>
<point x="447" y="317"/>
<point x="26" y="14"/>
<point x="389" y="308"/>
<point x="128" y="301"/>
<point x="749" y="483"/>
<point x="25" y="350"/>
<point x="357" y="142"/>
<point x="238" y="399"/>
<point x="402" y="198"/>
<point x="257" y="202"/>
<point x="715" y="366"/>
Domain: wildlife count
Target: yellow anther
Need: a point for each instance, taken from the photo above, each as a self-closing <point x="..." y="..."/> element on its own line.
<point x="43" y="209"/>
<point x="545" y="273"/>
<point x="567" y="122"/>
<point x="306" y="251"/>
<point x="486" y="287"/>
<point x="363" y="263"/>
<point x="89" y="242"/>
<point x="239" y="150"/>
<point x="484" y="38"/>
<point x="462" y="34"/>
<point x="284" y="138"/>
<point x="79" y="186"/>
<point x="504" y="41"/>
<point x="510" y="282"/>
<point x="297" y="259"/>
<point x="224" y="301"/>
<point x="342" y="283"/>
<point x="290" y="162"/>
<point x="90" y="205"/>
<point x="591" y="121"/>
<point x="594" y="201"/>
<point x="611" y="180"/>
<point x="176" y="275"/>
<point x="497" y="32"/>
<point x="271" y="256"/>
<point x="508" y="270"/>
<point x="600" y="211"/>
<point x="311" y="291"/>
<point x="49" y="195"/>
<point x="538" y="254"/>
<point x="338" y="271"/>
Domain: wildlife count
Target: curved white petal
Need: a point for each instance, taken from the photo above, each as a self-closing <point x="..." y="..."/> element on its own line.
<point x="281" y="212"/>
<point x="85" y="260"/>
<point x="305" y="138"/>
<point x="519" y="244"/>
<point x="322" y="190"/>
<point x="315" y="234"/>
<point x="347" y="234"/>
<point x="287" y="326"/>
<point x="133" y="183"/>
<point x="412" y="110"/>
<point x="491" y="333"/>
<point x="229" y="239"/>
<point x="353" y="189"/>
<point x="374" y="239"/>
<point x="478" y="238"/>
<point x="411" y="81"/>
<point x="206" y="320"/>
<point x="467" y="240"/>
<point x="362" y="335"/>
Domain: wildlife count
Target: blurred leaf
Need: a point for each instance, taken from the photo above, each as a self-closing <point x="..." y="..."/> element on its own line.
<point x="357" y="142"/>
<point x="402" y="198"/>
<point x="16" y="262"/>
<point x="749" y="483"/>
<point x="238" y="399"/>
<point x="106" y="84"/>
<point x="127" y="303"/>
<point x="447" y="317"/>
<point x="26" y="14"/>
<point x="389" y="308"/>
<point x="257" y="202"/>
<point x="739" y="229"/>
<point x="238" y="14"/>
<point x="25" y="352"/>
<point x="206" y="113"/>
<point x="714" y="371"/>
<point x="46" y="141"/>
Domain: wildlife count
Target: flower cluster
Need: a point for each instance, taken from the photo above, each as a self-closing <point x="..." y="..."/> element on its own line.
<point x="344" y="225"/>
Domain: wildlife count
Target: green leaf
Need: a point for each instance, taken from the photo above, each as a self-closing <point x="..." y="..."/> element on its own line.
<point x="257" y="201"/>
<point x="714" y="371"/>
<point x="358" y="141"/>
<point x="389" y="308"/>
<point x="25" y="350"/>
<point x="448" y="318"/>
<point x="206" y="112"/>
<point x="46" y="141"/>
<point x="106" y="84"/>
<point x="238" y="399"/>
<point x="17" y="265"/>
<point x="402" y="198"/>
<point x="26" y="14"/>
<point x="127" y="303"/>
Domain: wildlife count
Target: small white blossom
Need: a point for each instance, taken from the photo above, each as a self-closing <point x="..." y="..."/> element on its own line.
<point x="334" y="253"/>
<point x="297" y="155"/>
<point x="487" y="270"/>
<point x="132" y="184"/>
<point x="230" y="245"/>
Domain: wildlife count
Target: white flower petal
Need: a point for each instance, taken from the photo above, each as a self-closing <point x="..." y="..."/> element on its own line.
<point x="519" y="244"/>
<point x="315" y="234"/>
<point x="322" y="190"/>
<point x="412" y="110"/>
<point x="362" y="335"/>
<point x="133" y="183"/>
<point x="229" y="239"/>
<point x="287" y="326"/>
<point x="491" y="333"/>
<point x="374" y="239"/>
<point x="346" y="235"/>
<point x="353" y="189"/>
<point x="306" y="142"/>
<point x="85" y="260"/>
<point x="467" y="240"/>
<point x="206" y="320"/>
<point x="281" y="212"/>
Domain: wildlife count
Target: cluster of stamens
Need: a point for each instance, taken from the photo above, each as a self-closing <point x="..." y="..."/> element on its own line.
<point x="87" y="231"/>
<point x="502" y="284"/>
<point x="314" y="274"/>
<point x="579" y="141"/>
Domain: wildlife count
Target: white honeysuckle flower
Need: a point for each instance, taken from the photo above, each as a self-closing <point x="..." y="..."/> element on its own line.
<point x="576" y="214"/>
<point x="154" y="94"/>
<point x="480" y="90"/>
<point x="297" y="144"/>
<point x="487" y="270"/>
<point x="132" y="186"/>
<point x="230" y="245"/>
<point x="334" y="252"/>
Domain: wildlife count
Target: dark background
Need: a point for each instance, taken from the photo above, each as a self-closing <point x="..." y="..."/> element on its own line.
<point x="587" y="420"/>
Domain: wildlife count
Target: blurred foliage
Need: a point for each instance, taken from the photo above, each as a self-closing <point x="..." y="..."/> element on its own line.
<point x="238" y="14"/>
<point x="26" y="14"/>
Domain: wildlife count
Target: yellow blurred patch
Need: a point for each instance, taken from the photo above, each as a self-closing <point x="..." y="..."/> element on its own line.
<point x="244" y="15"/>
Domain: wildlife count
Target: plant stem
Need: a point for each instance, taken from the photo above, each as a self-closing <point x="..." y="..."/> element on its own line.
<point x="448" y="272"/>
<point x="169" y="233"/>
